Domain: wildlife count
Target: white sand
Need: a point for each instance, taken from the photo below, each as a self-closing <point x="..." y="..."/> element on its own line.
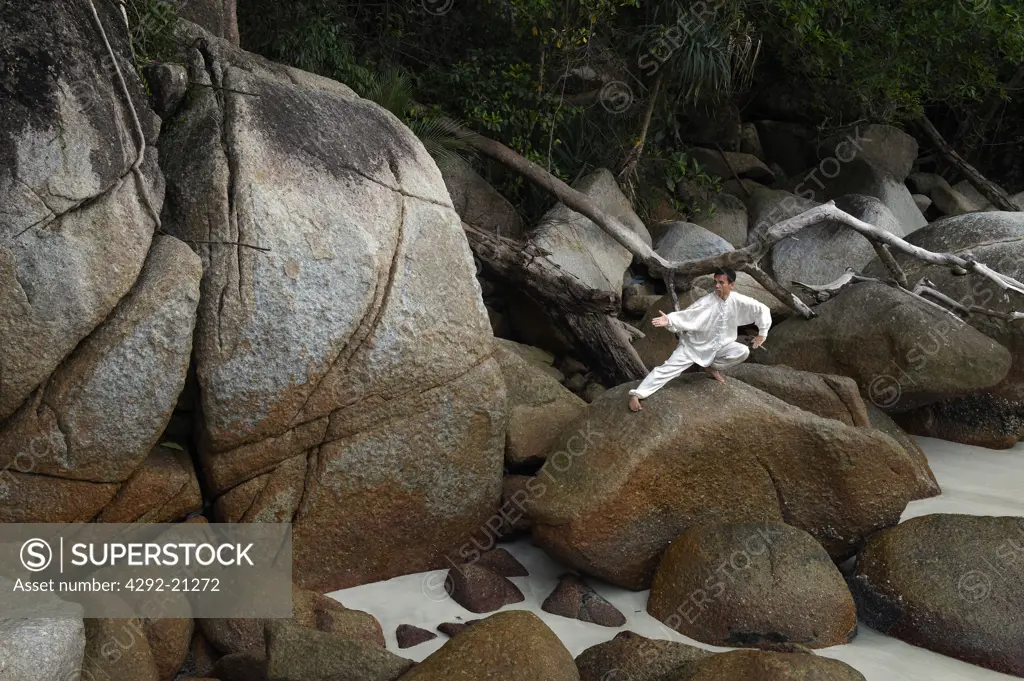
<point x="974" y="481"/>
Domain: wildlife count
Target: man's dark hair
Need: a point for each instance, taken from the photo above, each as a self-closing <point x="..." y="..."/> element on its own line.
<point x="730" y="273"/>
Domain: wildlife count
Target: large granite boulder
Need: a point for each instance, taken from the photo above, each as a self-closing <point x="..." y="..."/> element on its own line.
<point x="768" y="666"/>
<point x="947" y="200"/>
<point x="726" y="164"/>
<point x="632" y="657"/>
<point x="514" y="645"/>
<point x="766" y="207"/>
<point x="977" y="420"/>
<point x="888" y="148"/>
<point x="835" y="397"/>
<point x="538" y="406"/>
<point x="949" y="583"/>
<point x="928" y="486"/>
<point x="996" y="239"/>
<point x="297" y="653"/>
<point x="163" y="489"/>
<point x="219" y="17"/>
<point x="832" y="397"/>
<point x="169" y="641"/>
<point x="976" y="198"/>
<point x="752" y="585"/>
<point x="862" y="176"/>
<point x="478" y="203"/>
<point x="94" y="421"/>
<point x="583" y="249"/>
<point x="75" y="227"/>
<point x="902" y="353"/>
<point x="117" y="649"/>
<point x="622" y="485"/>
<point x="728" y="221"/>
<point x="345" y="369"/>
<point x="310" y="610"/>
<point x="687" y="241"/>
<point x="821" y="253"/>
<point x="40" y="649"/>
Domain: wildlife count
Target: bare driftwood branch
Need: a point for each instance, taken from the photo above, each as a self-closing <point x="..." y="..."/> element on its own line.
<point x="898" y="275"/>
<point x="989" y="190"/>
<point x="608" y="345"/>
<point x="585" y="314"/>
<point x="926" y="287"/>
<point x="630" y="330"/>
<point x="736" y="259"/>
<point x="777" y="290"/>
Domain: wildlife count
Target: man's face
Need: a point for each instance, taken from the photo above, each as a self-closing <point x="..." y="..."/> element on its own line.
<point x="722" y="286"/>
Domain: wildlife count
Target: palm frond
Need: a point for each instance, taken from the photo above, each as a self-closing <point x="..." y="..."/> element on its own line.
<point x="392" y="89"/>
<point x="445" y="140"/>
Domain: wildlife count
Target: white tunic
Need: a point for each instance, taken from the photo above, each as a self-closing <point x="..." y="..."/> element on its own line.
<point x="710" y="324"/>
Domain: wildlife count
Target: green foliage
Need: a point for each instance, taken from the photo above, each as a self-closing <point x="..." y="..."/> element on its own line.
<point x="500" y="99"/>
<point x="885" y="60"/>
<point x="561" y="25"/>
<point x="316" y="43"/>
<point x="681" y="167"/>
<point x="443" y="138"/>
<point x="512" y="69"/>
<point x="705" y="51"/>
<point x="677" y="177"/>
<point x="152" y="30"/>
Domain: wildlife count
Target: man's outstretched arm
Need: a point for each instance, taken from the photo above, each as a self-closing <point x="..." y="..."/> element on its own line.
<point x="690" y="319"/>
<point x="756" y="312"/>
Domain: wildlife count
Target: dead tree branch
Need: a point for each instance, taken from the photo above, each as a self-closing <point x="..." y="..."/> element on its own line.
<point x="925" y="287"/>
<point x="898" y="275"/>
<point x="638" y="149"/>
<point x="989" y="190"/>
<point x="608" y="342"/>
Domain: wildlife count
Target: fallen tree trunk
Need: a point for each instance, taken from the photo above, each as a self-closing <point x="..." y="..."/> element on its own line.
<point x="608" y="346"/>
<point x="527" y="266"/>
<point x="988" y="189"/>
<point x="585" y="314"/>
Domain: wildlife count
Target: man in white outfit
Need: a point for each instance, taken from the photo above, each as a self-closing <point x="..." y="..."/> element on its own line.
<point x="707" y="335"/>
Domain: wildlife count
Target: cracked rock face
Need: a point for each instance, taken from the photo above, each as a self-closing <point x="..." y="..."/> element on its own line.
<point x="621" y="485"/>
<point x="87" y="428"/>
<point x="73" y="231"/>
<point x="96" y="316"/>
<point x="343" y="352"/>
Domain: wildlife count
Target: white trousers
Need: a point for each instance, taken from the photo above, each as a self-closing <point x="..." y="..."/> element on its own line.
<point x="729" y="355"/>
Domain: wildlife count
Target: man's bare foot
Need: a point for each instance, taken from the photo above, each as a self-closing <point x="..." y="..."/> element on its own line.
<point x="714" y="372"/>
<point x="634" y="403"/>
